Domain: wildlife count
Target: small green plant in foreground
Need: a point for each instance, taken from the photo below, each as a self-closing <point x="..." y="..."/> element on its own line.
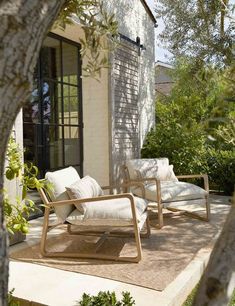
<point x="106" y="298"/>
<point x="190" y="298"/>
<point x="10" y="299"/>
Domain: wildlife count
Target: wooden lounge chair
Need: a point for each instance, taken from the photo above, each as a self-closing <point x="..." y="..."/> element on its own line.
<point x="93" y="211"/>
<point x="164" y="189"/>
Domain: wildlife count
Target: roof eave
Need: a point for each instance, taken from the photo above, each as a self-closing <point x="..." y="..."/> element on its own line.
<point x="149" y="11"/>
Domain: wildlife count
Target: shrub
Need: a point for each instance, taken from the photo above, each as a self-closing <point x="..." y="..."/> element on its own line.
<point x="106" y="299"/>
<point x="221" y="165"/>
<point x="183" y="143"/>
<point x="195" y="125"/>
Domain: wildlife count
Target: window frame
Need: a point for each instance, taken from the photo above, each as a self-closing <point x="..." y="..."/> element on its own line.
<point x="62" y="124"/>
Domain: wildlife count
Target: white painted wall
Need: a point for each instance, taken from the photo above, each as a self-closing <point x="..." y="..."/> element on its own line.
<point x="135" y="21"/>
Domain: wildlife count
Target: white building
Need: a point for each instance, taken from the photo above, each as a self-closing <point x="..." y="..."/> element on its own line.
<point x="93" y="126"/>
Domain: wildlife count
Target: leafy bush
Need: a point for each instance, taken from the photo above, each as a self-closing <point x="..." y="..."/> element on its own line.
<point x="221" y="165"/>
<point x="106" y="299"/>
<point x="195" y="125"/>
<point x="184" y="147"/>
<point x="178" y="135"/>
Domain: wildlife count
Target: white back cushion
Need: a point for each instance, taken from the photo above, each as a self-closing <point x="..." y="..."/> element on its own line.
<point x="145" y="165"/>
<point x="148" y="167"/>
<point x="87" y="187"/>
<point x="60" y="179"/>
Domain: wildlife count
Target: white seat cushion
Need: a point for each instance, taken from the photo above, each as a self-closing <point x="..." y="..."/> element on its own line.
<point x="115" y="212"/>
<point x="60" y="179"/>
<point x="172" y="191"/>
<point x="87" y="187"/>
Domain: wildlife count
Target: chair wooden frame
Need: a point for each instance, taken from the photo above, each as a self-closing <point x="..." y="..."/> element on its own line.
<point x="49" y="205"/>
<point x="159" y="205"/>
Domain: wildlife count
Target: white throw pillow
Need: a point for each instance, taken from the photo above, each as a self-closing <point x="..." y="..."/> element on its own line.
<point x="59" y="179"/>
<point x="86" y="187"/>
<point x="171" y="175"/>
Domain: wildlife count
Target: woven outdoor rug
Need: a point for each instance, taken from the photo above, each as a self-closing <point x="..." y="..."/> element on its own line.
<point x="165" y="254"/>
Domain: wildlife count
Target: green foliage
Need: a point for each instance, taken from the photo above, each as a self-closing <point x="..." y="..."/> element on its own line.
<point x="10" y="299"/>
<point x="195" y="125"/>
<point x="201" y="30"/>
<point x="184" y="146"/>
<point x="16" y="211"/>
<point x="224" y="114"/>
<point x="190" y="298"/>
<point x="221" y="169"/>
<point x="106" y="299"/>
<point x="100" y="32"/>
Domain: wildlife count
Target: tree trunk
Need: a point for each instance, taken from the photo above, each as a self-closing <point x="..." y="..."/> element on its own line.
<point x="218" y="282"/>
<point x="24" y="24"/>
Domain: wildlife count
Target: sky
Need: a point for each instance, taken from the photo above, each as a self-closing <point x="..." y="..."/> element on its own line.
<point x="161" y="54"/>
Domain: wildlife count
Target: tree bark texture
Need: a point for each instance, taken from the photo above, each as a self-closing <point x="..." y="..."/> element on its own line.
<point x="24" y="24"/>
<point x="218" y="281"/>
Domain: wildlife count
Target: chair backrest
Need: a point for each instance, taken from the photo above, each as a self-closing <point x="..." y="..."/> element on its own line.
<point x="145" y="164"/>
<point x="59" y="180"/>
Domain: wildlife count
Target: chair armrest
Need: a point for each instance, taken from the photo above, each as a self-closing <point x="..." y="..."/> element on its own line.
<point x="94" y="199"/>
<point x="135" y="184"/>
<point x="126" y="185"/>
<point x="203" y="176"/>
<point x="191" y="176"/>
<point x="109" y="187"/>
<point x="151" y="179"/>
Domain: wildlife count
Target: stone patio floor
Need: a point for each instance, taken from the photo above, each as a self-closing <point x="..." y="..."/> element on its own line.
<point x="55" y="287"/>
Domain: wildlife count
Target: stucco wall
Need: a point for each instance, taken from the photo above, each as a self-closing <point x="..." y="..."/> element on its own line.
<point x="95" y="118"/>
<point x="135" y="21"/>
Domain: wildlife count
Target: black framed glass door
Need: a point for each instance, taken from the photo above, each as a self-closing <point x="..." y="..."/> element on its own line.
<point x="52" y="119"/>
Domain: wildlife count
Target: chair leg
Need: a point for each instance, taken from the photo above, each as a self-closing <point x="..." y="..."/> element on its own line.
<point x="101" y="241"/>
<point x="44" y="232"/>
<point x="193" y="214"/>
<point x="160" y="216"/>
<point x="160" y="207"/>
<point x="208" y="209"/>
<point x="148" y="230"/>
<point x="138" y="243"/>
